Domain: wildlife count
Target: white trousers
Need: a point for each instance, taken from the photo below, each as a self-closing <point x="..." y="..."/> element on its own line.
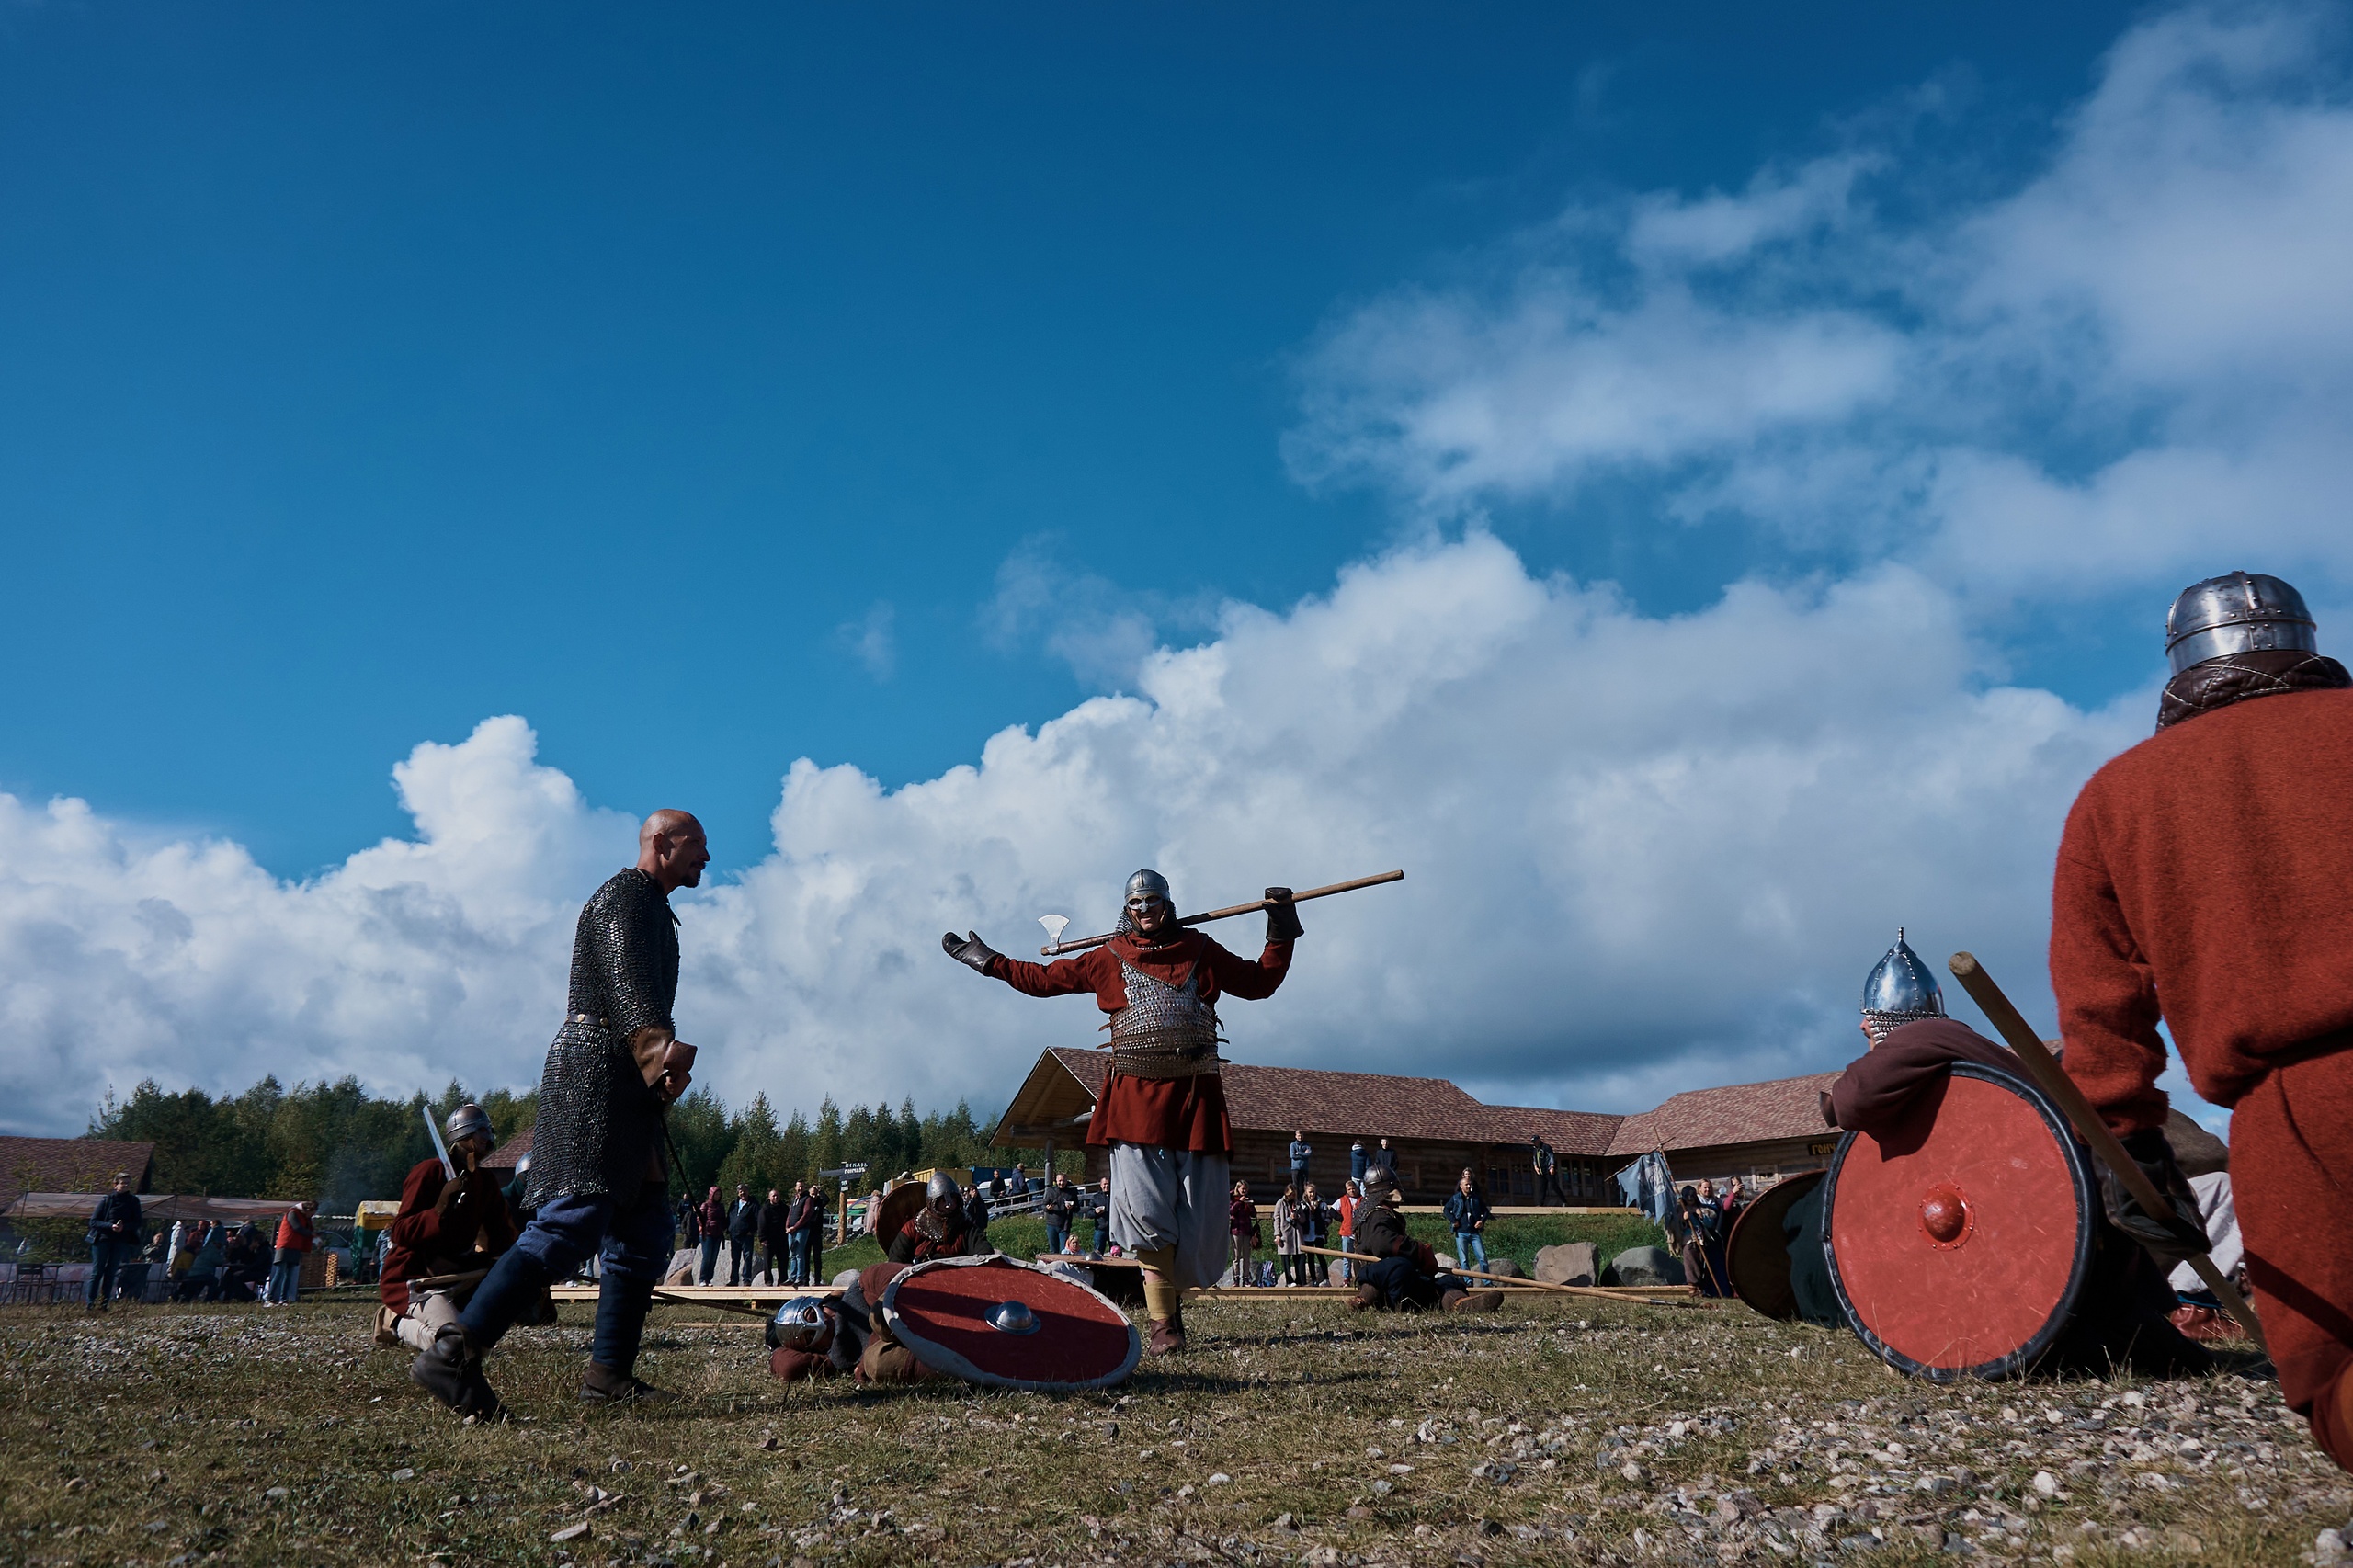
<point x="429" y="1311"/>
<point x="1172" y="1197"/>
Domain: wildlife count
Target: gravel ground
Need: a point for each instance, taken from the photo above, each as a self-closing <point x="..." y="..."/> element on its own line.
<point x="1290" y="1434"/>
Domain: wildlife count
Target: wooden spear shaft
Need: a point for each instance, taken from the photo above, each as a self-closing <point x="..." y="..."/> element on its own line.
<point x="1535" y="1284"/>
<point x="1052" y="949"/>
<point x="2054" y="1082"/>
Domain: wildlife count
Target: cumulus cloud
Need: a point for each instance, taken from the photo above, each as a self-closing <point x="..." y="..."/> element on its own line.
<point x="1639" y="852"/>
<point x="2133" y="358"/>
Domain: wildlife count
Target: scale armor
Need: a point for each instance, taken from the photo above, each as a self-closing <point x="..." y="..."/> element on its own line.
<point x="599" y="1122"/>
<point x="1165" y="1031"/>
<point x="1900" y="991"/>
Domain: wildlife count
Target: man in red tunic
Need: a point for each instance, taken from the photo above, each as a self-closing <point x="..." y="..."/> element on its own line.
<point x="444" y="1227"/>
<point x="1162" y="1113"/>
<point x="2203" y="878"/>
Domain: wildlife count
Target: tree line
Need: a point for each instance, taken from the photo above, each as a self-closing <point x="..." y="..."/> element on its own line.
<point x="338" y="1143"/>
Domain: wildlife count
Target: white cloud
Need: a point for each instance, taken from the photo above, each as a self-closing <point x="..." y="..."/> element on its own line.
<point x="873" y="640"/>
<point x="1639" y="853"/>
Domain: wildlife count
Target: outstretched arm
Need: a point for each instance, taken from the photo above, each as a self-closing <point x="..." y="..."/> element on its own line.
<point x="1063" y="977"/>
<point x="1241" y="977"/>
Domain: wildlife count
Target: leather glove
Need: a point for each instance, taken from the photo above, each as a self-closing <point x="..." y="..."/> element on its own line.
<point x="969" y="950"/>
<point x="2170" y="1238"/>
<point x="1282" y="917"/>
<point x="452" y="1194"/>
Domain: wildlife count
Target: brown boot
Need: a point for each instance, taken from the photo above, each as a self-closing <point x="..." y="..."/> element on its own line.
<point x="388" y="1333"/>
<point x="1167" y="1337"/>
<point x="602" y="1385"/>
<point x="1367" y="1299"/>
<point x="1473" y="1300"/>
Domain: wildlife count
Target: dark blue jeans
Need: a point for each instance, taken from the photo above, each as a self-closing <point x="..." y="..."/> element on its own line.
<point x="108" y="1254"/>
<point x="631" y="1240"/>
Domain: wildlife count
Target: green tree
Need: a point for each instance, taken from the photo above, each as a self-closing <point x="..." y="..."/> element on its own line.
<point x="704" y="1136"/>
<point x="826" y="1144"/>
<point x="757" y="1159"/>
<point x="794" y="1150"/>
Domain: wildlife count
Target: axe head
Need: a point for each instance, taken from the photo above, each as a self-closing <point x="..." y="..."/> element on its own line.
<point x="1055" y="924"/>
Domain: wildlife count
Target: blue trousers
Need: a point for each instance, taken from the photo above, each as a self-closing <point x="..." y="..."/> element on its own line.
<point x="631" y="1242"/>
<point x="1057" y="1236"/>
<point x="108" y="1254"/>
<point x="286" y="1281"/>
<point x="797" y="1251"/>
<point x="1468" y="1244"/>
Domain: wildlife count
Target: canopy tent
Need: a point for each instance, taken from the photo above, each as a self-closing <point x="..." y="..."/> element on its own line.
<point x="152" y="1207"/>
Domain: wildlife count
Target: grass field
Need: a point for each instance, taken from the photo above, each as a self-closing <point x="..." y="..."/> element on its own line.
<point x="1290" y="1433"/>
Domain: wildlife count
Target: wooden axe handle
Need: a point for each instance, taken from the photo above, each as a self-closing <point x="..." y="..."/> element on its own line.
<point x="1052" y="949"/>
<point x="2063" y="1092"/>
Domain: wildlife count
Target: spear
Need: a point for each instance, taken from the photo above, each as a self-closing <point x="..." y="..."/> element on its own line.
<point x="1054" y="923"/>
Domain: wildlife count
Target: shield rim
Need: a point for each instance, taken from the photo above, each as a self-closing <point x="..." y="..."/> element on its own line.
<point x="1777" y="1200"/>
<point x="2023" y="1360"/>
<point x="895" y="1211"/>
<point x="941" y="1358"/>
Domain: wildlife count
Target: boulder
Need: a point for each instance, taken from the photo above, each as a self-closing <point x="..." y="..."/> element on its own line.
<point x="1504" y="1268"/>
<point x="1572" y="1263"/>
<point x="1646" y="1265"/>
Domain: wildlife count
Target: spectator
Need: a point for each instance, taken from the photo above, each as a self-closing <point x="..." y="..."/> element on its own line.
<point x="813" y="1235"/>
<point x="1242" y="1220"/>
<point x="776" y="1240"/>
<point x="976" y="1219"/>
<point x="1020" y="1183"/>
<point x="1351" y="1196"/>
<point x="114" y="1239"/>
<point x="176" y="1252"/>
<point x="1548" y="1170"/>
<point x="1698" y="1218"/>
<point x="1287" y="1256"/>
<point x="206" y="1264"/>
<point x="1301" y="1151"/>
<point x="1058" y="1214"/>
<point x="1467" y="1214"/>
<point x="1099" y="1211"/>
<point x="796" y="1211"/>
<point x="689" y="1221"/>
<point x="247" y="1268"/>
<point x="996" y="1186"/>
<point x="1385" y="1159"/>
<point x="742" y="1234"/>
<point x="295" y="1239"/>
<point x="1315" y="1225"/>
<point x="1356" y="1163"/>
<point x="711" y="1223"/>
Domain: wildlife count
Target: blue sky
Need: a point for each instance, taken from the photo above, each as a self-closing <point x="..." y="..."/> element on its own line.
<point x="1696" y="491"/>
<point x="684" y="383"/>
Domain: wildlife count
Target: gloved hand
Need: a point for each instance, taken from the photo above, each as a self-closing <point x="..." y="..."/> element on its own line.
<point x="2170" y="1238"/>
<point x="1282" y="917"/>
<point x="452" y="1194"/>
<point x="968" y="948"/>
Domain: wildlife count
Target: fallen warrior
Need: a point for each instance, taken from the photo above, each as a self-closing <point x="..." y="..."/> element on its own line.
<point x="1404" y="1275"/>
<point x="815" y="1337"/>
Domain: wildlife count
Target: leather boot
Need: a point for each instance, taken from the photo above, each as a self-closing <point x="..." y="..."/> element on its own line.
<point x="1367" y="1299"/>
<point x="602" y="1385"/>
<point x="1475" y="1301"/>
<point x="450" y="1370"/>
<point x="1167" y="1337"/>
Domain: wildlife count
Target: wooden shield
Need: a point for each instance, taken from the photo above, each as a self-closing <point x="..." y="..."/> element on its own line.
<point x="901" y="1204"/>
<point x="1757" y="1255"/>
<point x="1961" y="1238"/>
<point x="950" y="1311"/>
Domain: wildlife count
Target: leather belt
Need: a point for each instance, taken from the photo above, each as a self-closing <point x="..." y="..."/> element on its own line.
<point x="587" y="1019"/>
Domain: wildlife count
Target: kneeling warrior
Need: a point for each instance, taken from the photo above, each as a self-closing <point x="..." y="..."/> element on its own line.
<point x="1162" y="1113"/>
<point x="940" y="1229"/>
<point x="444" y="1228"/>
<point x="1404" y="1275"/>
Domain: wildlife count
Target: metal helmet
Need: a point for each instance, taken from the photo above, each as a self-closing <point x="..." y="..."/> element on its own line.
<point x="942" y="1193"/>
<point x="469" y="1120"/>
<point x="798" y="1325"/>
<point x="1146" y="884"/>
<point x="1901" y="990"/>
<point x="2236" y="613"/>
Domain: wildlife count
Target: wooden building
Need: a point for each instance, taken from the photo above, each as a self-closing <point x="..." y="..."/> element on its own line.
<point x="1757" y="1130"/>
<point x="1434" y="1128"/>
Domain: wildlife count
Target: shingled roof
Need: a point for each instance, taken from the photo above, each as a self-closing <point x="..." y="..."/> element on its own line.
<point x="70" y="1165"/>
<point x="1737" y="1113"/>
<point x="1323" y="1101"/>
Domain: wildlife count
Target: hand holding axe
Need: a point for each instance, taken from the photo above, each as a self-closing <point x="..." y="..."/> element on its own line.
<point x="2053" y="1081"/>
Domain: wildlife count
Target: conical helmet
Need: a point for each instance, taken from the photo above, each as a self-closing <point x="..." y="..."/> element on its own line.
<point x="2236" y="613"/>
<point x="1900" y="991"/>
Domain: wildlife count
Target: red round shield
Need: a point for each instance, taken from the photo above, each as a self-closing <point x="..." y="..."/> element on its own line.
<point x="1961" y="1238"/>
<point x="1757" y="1255"/>
<point x="991" y="1320"/>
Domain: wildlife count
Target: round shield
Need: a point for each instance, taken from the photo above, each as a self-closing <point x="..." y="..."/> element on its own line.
<point x="901" y="1204"/>
<point x="1757" y="1255"/>
<point x="991" y="1320"/>
<point x="1959" y="1239"/>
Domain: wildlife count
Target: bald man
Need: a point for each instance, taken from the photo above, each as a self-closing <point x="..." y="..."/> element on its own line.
<point x="596" y="1176"/>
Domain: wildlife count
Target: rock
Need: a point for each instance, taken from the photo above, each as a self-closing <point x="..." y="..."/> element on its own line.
<point x="1646" y="1265"/>
<point x="1572" y="1263"/>
<point x="570" y="1532"/>
<point x="1505" y="1269"/>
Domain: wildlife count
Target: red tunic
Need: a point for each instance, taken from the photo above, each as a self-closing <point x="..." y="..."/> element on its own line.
<point x="2204" y="875"/>
<point x="1164" y="1113"/>
<point x="426" y="1242"/>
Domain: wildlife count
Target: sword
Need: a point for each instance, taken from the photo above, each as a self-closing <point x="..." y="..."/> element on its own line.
<point x="449" y="1168"/>
<point x="1058" y="945"/>
<point x="2055" y="1082"/>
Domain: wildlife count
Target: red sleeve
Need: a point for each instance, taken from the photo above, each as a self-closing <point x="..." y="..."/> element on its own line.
<point x="1240" y="977"/>
<point x="418" y="1226"/>
<point x="1063" y="977"/>
<point x="2108" y="999"/>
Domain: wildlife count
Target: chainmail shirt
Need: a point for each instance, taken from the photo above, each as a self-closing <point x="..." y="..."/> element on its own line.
<point x="599" y="1122"/>
<point x="1165" y="1031"/>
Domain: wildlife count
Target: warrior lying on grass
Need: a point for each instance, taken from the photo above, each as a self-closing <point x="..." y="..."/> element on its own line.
<point x="1404" y="1275"/>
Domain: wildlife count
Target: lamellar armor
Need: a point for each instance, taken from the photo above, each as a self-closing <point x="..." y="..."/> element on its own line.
<point x="1165" y="1031"/>
<point x="1901" y="990"/>
<point x="598" y="1121"/>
